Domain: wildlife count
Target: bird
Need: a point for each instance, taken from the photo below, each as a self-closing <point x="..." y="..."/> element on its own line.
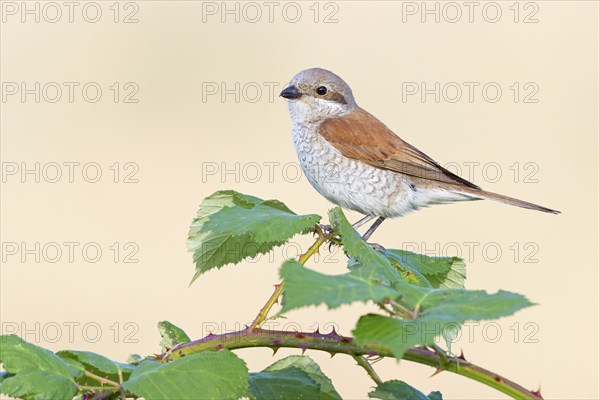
<point x="355" y="161"/>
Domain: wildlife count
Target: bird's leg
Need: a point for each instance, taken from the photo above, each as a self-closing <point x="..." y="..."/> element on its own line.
<point x="363" y="221"/>
<point x="358" y="224"/>
<point x="372" y="229"/>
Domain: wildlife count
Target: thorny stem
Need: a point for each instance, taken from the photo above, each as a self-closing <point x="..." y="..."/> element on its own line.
<point x="363" y="362"/>
<point x="99" y="388"/>
<point x="264" y="311"/>
<point x="100" y="379"/>
<point x="336" y="344"/>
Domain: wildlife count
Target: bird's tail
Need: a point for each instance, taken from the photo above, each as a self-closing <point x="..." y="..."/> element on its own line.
<point x="482" y="194"/>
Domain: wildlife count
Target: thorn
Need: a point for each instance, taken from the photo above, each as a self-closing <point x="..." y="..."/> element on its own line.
<point x="537" y="393"/>
<point x="332" y="353"/>
<point x="317" y="331"/>
<point x="210" y="334"/>
<point x="437" y="371"/>
<point x="333" y="334"/>
<point x="303" y="347"/>
<point x="498" y="378"/>
<point x="275" y="350"/>
<point x="462" y="355"/>
<point x="347" y="340"/>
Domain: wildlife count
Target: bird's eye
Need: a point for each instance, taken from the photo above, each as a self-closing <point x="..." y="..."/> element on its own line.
<point x="321" y="90"/>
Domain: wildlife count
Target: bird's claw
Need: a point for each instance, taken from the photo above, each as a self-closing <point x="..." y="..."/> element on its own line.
<point x="334" y="241"/>
<point x="331" y="244"/>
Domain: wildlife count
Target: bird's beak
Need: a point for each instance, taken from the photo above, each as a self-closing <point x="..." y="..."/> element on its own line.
<point x="291" y="92"/>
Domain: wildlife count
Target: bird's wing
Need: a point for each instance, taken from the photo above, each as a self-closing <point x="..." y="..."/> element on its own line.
<point x="361" y="136"/>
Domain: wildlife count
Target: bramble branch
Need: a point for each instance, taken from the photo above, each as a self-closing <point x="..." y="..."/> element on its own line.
<point x="334" y="343"/>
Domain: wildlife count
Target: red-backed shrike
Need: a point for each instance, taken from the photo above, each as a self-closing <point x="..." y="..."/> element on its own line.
<point x="358" y="163"/>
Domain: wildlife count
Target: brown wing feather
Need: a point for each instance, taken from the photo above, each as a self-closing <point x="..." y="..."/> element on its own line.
<point x="363" y="137"/>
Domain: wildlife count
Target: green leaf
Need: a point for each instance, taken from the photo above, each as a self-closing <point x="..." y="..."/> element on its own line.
<point x="75" y="368"/>
<point x="39" y="373"/>
<point x="375" y="274"/>
<point x="145" y="367"/>
<point x="96" y="364"/>
<point x="365" y="262"/>
<point x="312" y="369"/>
<point x="39" y="385"/>
<point x="209" y="375"/>
<point x="231" y="226"/>
<point x="289" y="383"/>
<point x="134" y="359"/>
<point x="438" y="310"/>
<point x="304" y="287"/>
<point x="439" y="272"/>
<point x="398" y="390"/>
<point x="17" y="355"/>
<point x="172" y="335"/>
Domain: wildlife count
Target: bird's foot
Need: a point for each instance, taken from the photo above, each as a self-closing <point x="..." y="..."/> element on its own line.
<point x="334" y="241"/>
<point x="321" y="230"/>
<point x="326" y="229"/>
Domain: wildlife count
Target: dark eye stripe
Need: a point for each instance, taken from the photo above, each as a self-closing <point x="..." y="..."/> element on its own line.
<point x="334" y="96"/>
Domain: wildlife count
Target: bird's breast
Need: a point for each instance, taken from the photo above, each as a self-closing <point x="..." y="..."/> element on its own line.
<point x="346" y="182"/>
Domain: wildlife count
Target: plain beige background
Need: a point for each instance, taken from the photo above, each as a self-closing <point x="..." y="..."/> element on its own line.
<point x="181" y="139"/>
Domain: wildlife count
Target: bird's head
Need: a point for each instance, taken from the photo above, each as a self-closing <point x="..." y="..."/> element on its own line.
<point x="316" y="94"/>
